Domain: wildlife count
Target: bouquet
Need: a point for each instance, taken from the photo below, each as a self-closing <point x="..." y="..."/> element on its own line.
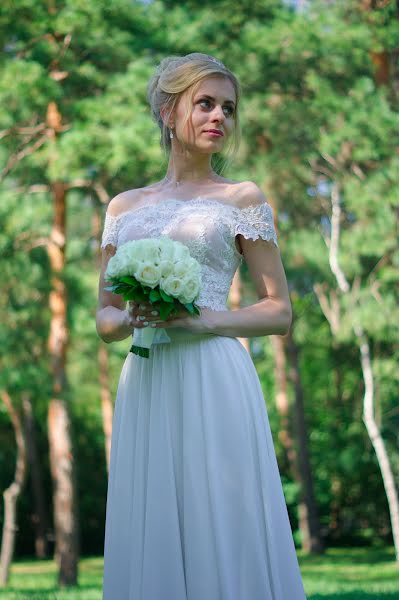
<point x="159" y="271"/>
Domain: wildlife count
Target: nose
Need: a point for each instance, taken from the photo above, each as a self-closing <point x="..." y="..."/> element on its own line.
<point x="218" y="114"/>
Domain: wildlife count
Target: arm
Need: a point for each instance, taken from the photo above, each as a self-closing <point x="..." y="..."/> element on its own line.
<point x="113" y="322"/>
<point x="272" y="315"/>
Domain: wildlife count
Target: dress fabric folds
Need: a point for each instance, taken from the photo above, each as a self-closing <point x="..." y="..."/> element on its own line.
<point x="195" y="506"/>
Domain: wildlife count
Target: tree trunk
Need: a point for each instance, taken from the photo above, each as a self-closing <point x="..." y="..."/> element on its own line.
<point x="365" y="361"/>
<point x="12" y="493"/>
<point x="299" y="462"/>
<point x="375" y="435"/>
<point x="382" y="75"/>
<point x="107" y="408"/>
<point x="61" y="454"/>
<point x="39" y="514"/>
<point x="106" y="400"/>
<point x="309" y="521"/>
<point x="282" y="404"/>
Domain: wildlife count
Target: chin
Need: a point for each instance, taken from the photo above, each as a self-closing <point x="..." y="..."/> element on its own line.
<point x="212" y="147"/>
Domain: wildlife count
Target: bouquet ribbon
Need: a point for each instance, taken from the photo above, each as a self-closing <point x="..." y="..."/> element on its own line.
<point x="145" y="337"/>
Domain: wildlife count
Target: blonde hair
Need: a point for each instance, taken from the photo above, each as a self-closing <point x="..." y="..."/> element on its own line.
<point x="178" y="74"/>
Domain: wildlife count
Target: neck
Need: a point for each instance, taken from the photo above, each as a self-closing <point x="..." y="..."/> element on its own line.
<point x="189" y="169"/>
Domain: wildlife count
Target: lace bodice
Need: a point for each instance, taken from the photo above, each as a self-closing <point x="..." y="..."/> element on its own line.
<point x="208" y="227"/>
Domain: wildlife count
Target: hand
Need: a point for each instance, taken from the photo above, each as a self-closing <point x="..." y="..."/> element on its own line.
<point x="139" y="313"/>
<point x="196" y="324"/>
<point x="202" y="323"/>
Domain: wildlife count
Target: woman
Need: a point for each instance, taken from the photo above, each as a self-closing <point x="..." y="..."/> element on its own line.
<point x="195" y="506"/>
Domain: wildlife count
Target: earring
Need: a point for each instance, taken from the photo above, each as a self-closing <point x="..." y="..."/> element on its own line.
<point x="171" y="134"/>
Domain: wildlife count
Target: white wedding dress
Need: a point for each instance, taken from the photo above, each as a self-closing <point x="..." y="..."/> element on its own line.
<point x="195" y="506"/>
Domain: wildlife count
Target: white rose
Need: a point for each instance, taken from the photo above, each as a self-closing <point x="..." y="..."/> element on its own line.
<point x="181" y="268"/>
<point x="181" y="252"/>
<point x="127" y="261"/>
<point x="166" y="267"/>
<point x="148" y="274"/>
<point x="166" y="247"/>
<point x="172" y="285"/>
<point x="149" y="251"/>
<point x="113" y="268"/>
<point x="190" y="289"/>
<point x="194" y="266"/>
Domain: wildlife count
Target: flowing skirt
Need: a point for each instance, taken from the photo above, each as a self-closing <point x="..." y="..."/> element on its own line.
<point x="195" y="506"/>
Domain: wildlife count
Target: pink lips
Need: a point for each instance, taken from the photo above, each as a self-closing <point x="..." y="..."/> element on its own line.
<point x="215" y="132"/>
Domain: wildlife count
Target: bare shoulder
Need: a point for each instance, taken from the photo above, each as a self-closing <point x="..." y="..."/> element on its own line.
<point x="249" y="194"/>
<point x="130" y="199"/>
<point x="123" y="201"/>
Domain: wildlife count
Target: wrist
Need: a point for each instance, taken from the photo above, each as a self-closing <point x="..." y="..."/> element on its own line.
<point x="214" y="322"/>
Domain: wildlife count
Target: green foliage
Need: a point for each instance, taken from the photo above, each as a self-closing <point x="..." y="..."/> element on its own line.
<point x="313" y="118"/>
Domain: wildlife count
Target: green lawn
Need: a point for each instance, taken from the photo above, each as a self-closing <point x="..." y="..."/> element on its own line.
<point x="347" y="574"/>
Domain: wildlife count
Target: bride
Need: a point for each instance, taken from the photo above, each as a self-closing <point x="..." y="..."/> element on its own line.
<point x="195" y="506"/>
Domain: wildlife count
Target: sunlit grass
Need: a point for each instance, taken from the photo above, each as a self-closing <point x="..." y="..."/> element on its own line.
<point x="351" y="574"/>
<point x="341" y="573"/>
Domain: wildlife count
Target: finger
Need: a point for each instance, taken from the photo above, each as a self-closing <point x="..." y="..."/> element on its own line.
<point x="148" y="310"/>
<point x="148" y="323"/>
<point x="140" y="308"/>
<point x="131" y="307"/>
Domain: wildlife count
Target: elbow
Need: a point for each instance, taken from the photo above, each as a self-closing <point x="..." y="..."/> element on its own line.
<point x="102" y="336"/>
<point x="285" y="320"/>
<point x="104" y="339"/>
<point x="100" y="331"/>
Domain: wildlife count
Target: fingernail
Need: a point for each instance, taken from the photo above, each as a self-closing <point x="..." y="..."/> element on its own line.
<point x="153" y="325"/>
<point x="142" y="318"/>
<point x="145" y="323"/>
<point x="154" y="312"/>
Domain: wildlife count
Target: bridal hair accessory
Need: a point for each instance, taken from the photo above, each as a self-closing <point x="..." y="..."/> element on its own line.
<point x="217" y="61"/>
<point x="171" y="134"/>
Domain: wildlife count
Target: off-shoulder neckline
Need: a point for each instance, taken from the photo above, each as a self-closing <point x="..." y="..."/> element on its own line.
<point x="199" y="199"/>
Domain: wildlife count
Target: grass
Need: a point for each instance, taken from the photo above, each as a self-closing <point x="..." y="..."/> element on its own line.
<point x="351" y="574"/>
<point x="341" y="573"/>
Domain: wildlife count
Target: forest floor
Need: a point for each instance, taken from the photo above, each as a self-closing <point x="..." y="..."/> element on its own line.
<point x="341" y="573"/>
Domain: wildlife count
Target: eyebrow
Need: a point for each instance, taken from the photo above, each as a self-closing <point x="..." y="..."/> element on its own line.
<point x="212" y="98"/>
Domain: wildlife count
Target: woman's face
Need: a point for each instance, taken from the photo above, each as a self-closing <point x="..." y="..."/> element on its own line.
<point x="213" y="108"/>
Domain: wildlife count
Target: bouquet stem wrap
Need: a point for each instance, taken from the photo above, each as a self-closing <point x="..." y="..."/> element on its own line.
<point x="144" y="338"/>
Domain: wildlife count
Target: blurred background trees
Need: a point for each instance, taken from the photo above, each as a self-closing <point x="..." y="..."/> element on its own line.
<point x="320" y="136"/>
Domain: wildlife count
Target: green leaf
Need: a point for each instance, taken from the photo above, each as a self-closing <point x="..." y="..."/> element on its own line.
<point x="190" y="308"/>
<point x="154" y="295"/>
<point x="165" y="310"/>
<point x="136" y="295"/>
<point x="165" y="296"/>
<point x="130" y="295"/>
<point x="130" y="280"/>
<point x="146" y="289"/>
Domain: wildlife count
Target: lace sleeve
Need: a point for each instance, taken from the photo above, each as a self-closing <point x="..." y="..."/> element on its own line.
<point x="255" y="222"/>
<point x="110" y="231"/>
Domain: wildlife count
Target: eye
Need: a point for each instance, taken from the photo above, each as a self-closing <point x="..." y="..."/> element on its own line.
<point x="230" y="110"/>
<point x="204" y="101"/>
